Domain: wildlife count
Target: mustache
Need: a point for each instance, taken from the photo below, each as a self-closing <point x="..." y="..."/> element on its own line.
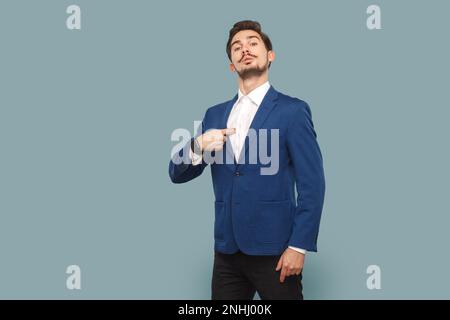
<point x="246" y="55"/>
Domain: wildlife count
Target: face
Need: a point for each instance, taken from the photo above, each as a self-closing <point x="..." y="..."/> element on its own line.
<point x="249" y="56"/>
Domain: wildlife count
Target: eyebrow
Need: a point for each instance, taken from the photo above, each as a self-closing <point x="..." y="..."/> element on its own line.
<point x="249" y="37"/>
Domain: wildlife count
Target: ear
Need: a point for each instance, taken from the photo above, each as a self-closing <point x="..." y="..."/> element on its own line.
<point x="232" y="68"/>
<point x="271" y="56"/>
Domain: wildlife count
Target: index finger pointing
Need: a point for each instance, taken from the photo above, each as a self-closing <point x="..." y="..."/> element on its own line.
<point x="228" y="131"/>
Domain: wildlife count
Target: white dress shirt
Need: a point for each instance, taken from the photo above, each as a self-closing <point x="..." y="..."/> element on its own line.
<point x="241" y="117"/>
<point x="242" y="114"/>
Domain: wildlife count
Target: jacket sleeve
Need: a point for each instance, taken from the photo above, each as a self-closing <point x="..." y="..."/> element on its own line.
<point x="307" y="161"/>
<point x="181" y="168"/>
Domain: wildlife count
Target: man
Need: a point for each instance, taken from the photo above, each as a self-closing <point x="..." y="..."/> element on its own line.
<point x="261" y="231"/>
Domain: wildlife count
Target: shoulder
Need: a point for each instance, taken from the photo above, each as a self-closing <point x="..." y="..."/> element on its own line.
<point x="293" y="106"/>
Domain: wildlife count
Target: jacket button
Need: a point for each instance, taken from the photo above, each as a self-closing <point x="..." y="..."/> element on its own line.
<point x="237" y="173"/>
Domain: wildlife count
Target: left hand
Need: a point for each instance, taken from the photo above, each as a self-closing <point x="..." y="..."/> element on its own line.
<point x="290" y="263"/>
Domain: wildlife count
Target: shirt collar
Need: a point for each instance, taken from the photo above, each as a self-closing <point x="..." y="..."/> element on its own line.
<point x="257" y="94"/>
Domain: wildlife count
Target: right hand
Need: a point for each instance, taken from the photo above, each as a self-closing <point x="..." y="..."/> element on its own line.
<point x="213" y="140"/>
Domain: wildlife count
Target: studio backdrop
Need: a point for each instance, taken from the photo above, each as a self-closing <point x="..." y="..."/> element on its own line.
<point x="91" y="93"/>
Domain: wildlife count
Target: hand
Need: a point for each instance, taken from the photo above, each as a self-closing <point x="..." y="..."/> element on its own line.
<point x="291" y="262"/>
<point x="214" y="139"/>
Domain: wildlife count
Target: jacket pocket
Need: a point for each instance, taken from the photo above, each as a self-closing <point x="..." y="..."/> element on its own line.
<point x="274" y="221"/>
<point x="219" y="219"/>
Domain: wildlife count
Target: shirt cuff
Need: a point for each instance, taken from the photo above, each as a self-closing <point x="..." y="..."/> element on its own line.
<point x="195" y="158"/>
<point x="298" y="249"/>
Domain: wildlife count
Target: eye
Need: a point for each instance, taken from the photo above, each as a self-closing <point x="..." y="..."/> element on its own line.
<point x="254" y="44"/>
<point x="237" y="48"/>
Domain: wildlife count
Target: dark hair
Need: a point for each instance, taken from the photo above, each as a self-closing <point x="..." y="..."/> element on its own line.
<point x="247" y="25"/>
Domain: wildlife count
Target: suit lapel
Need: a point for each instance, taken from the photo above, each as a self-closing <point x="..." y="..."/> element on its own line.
<point x="261" y="115"/>
<point x="229" y="160"/>
<point x="264" y="109"/>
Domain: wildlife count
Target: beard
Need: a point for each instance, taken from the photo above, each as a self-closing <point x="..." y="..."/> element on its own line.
<point x="252" y="72"/>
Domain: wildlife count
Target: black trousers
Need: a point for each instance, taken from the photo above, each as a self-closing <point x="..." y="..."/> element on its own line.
<point x="239" y="276"/>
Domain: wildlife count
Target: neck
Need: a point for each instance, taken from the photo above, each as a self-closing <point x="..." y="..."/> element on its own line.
<point x="248" y="85"/>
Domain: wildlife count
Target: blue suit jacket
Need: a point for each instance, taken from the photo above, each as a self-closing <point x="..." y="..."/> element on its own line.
<point x="259" y="213"/>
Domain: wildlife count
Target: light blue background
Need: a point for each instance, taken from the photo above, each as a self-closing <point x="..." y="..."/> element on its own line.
<point x="85" y="124"/>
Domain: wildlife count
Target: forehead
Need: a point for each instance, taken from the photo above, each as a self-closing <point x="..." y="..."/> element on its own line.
<point x="244" y="35"/>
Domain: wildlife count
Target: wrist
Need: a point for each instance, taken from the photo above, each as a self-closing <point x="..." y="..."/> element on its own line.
<point x="195" y="147"/>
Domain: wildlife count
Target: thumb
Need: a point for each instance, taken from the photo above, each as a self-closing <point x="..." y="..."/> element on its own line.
<point x="228" y="131"/>
<point x="280" y="263"/>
